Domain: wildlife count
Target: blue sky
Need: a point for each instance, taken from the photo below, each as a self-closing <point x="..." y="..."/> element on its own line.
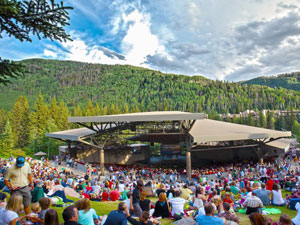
<point x="229" y="40"/>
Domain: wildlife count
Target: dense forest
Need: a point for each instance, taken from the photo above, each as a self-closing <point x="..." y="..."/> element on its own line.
<point x="139" y="89"/>
<point x="53" y="90"/>
<point x="288" y="81"/>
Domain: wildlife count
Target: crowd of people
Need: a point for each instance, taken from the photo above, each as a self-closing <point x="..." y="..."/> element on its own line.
<point x="213" y="196"/>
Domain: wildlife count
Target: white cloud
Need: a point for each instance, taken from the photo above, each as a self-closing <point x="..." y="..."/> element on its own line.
<point x="231" y="39"/>
<point x="49" y="53"/>
<point x="139" y="42"/>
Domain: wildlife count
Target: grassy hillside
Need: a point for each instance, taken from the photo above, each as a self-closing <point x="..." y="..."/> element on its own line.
<point x="288" y="81"/>
<point x="122" y="86"/>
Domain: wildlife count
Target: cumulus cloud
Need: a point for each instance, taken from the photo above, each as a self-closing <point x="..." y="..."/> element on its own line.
<point x="231" y="40"/>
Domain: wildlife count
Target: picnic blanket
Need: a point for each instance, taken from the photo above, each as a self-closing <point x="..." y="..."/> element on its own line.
<point x="265" y="211"/>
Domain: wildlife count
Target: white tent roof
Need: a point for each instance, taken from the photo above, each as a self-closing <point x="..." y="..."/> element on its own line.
<point x="207" y="130"/>
<point x="139" y="117"/>
<point x="283" y="143"/>
<point x="40" y="154"/>
<point x="72" y="135"/>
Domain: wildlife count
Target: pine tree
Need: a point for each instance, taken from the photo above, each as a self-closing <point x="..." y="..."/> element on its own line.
<point x="126" y="109"/>
<point x="6" y="141"/>
<point x="54" y="110"/>
<point x="62" y="121"/>
<point x="2" y="120"/>
<point x="262" y="120"/>
<point x="20" y="122"/>
<point x="112" y="109"/>
<point x="42" y="18"/>
<point x="270" y="120"/>
<point x="40" y="115"/>
<point x="89" y="109"/>
<point x="296" y="129"/>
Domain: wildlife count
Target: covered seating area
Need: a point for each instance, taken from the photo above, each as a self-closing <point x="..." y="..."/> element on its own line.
<point x="170" y="127"/>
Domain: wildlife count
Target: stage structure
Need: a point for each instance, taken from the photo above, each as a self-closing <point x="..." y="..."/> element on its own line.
<point x="169" y="128"/>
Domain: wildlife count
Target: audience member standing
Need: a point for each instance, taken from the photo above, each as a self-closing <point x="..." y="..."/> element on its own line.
<point x="135" y="199"/>
<point x="18" y="178"/>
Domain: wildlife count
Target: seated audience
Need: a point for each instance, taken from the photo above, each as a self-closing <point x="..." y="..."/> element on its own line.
<point x="145" y="203"/>
<point x="263" y="194"/>
<point x="161" y="207"/>
<point x="87" y="215"/>
<point x="276" y="196"/>
<point x="209" y="218"/>
<point x="177" y="204"/>
<point x="118" y="217"/>
<point x="10" y="214"/>
<point x="229" y="215"/>
<point x="257" y="219"/>
<point x="70" y="215"/>
<point x="252" y="203"/>
<point x="51" y="217"/>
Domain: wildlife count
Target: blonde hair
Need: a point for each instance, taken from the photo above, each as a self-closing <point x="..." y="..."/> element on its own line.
<point x="143" y="195"/>
<point x="35" y="207"/>
<point x="161" y="186"/>
<point x="15" y="203"/>
<point x="162" y="197"/>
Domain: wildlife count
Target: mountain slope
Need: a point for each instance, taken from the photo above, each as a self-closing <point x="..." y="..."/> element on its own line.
<point x="123" y="86"/>
<point x="288" y="81"/>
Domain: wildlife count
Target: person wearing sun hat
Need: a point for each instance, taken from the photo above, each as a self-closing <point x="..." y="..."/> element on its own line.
<point x="18" y="179"/>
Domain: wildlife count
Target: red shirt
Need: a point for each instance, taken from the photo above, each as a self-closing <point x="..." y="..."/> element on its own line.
<point x="114" y="195"/>
<point x="105" y="196"/>
<point x="269" y="185"/>
<point x="228" y="200"/>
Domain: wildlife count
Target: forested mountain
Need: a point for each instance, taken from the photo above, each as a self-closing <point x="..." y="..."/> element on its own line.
<point x="54" y="90"/>
<point x="288" y="81"/>
<point x="138" y="89"/>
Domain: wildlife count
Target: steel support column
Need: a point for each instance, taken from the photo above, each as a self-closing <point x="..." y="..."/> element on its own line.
<point x="188" y="142"/>
<point x="188" y="166"/>
<point x="102" y="161"/>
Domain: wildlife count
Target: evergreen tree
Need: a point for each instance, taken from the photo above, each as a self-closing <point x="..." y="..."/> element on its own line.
<point x="62" y="121"/>
<point x="21" y="18"/>
<point x="250" y="120"/>
<point x="2" y="120"/>
<point x="270" y="120"/>
<point x="262" y="120"/>
<point x="6" y="141"/>
<point x="126" y="109"/>
<point x="54" y="110"/>
<point x="296" y="129"/>
<point x="40" y="115"/>
<point x="21" y="125"/>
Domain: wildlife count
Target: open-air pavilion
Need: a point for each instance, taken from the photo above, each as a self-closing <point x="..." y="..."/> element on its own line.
<point x="170" y="127"/>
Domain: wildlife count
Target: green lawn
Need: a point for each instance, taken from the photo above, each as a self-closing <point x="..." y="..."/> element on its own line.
<point x="103" y="208"/>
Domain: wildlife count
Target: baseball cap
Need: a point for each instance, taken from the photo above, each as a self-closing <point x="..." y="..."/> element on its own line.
<point x="20" y="161"/>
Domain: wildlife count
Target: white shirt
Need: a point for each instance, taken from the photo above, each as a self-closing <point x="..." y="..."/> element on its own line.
<point x="121" y="187"/>
<point x="6" y="216"/>
<point x="296" y="220"/>
<point x="277" y="197"/>
<point x="127" y="202"/>
<point x="177" y="205"/>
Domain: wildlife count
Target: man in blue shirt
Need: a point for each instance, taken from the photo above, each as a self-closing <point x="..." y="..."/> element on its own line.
<point x="208" y="218"/>
<point x="263" y="194"/>
<point x="118" y="217"/>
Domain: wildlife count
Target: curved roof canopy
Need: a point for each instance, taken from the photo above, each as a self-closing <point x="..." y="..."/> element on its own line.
<point x="207" y="130"/>
<point x="139" y="117"/>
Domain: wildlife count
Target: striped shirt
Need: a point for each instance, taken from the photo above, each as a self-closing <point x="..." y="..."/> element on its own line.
<point x="253" y="202"/>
